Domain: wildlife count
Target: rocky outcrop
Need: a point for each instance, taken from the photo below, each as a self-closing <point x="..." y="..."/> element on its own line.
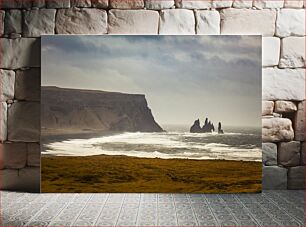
<point x="196" y="127"/>
<point x="220" y="130"/>
<point x="95" y="110"/>
<point x="207" y="127"/>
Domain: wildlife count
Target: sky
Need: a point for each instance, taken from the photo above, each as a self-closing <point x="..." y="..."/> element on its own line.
<point x="183" y="77"/>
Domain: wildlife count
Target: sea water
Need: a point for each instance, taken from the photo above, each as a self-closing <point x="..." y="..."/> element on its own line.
<point x="235" y="144"/>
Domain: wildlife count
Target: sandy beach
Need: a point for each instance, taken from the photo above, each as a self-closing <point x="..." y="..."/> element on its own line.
<point x="107" y="173"/>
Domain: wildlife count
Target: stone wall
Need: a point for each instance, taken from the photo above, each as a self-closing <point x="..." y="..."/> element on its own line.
<point x="281" y="22"/>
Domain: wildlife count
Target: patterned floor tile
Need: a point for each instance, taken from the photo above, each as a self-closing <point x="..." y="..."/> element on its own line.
<point x="270" y="208"/>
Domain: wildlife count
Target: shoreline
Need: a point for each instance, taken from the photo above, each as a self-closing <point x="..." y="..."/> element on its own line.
<point x="61" y="143"/>
<point x="74" y="134"/>
<point x="130" y="156"/>
<point x="112" y="173"/>
<point x="50" y="136"/>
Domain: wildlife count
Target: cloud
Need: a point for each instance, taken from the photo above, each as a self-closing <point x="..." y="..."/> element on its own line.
<point x="227" y="48"/>
<point x="189" y="74"/>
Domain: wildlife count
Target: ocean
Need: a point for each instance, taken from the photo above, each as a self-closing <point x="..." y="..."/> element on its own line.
<point x="177" y="142"/>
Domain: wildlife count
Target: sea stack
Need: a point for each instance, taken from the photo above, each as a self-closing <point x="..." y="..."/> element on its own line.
<point x="207" y="127"/>
<point x="220" y="130"/>
<point x="196" y="128"/>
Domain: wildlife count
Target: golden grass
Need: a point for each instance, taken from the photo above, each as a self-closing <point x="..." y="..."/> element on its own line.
<point x="129" y="174"/>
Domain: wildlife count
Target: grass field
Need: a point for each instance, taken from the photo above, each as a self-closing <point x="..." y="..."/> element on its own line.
<point x="128" y="174"/>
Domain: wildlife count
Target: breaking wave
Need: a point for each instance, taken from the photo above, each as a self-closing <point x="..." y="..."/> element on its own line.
<point x="165" y="145"/>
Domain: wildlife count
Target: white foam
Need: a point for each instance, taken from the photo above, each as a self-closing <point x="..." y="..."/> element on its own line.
<point x="159" y="142"/>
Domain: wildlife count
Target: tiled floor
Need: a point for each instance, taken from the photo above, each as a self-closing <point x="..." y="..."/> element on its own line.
<point x="271" y="208"/>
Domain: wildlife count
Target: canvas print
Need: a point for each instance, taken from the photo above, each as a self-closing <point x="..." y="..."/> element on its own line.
<point x="175" y="114"/>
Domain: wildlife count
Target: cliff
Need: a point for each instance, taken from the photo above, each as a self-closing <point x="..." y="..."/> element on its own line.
<point x="64" y="108"/>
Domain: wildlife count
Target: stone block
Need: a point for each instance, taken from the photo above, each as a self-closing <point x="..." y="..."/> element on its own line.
<point x="7" y="81"/>
<point x="2" y="15"/>
<point x="290" y="22"/>
<point x="15" y="4"/>
<point x="208" y="22"/>
<point x="33" y="158"/>
<point x="277" y="129"/>
<point x="133" y="22"/>
<point x="296" y="176"/>
<point x="285" y="106"/>
<point x="276" y="115"/>
<point x="289" y="154"/>
<point x="274" y="178"/>
<point x="221" y="3"/>
<point x="103" y="4"/>
<point x="39" y="22"/>
<point x="293" y="52"/>
<point x="283" y="84"/>
<point x="159" y="4"/>
<point x="3" y="121"/>
<point x="269" y="154"/>
<point x="303" y="160"/>
<point x="270" y="51"/>
<point x="25" y="180"/>
<point x="262" y="4"/>
<point x="13" y="21"/>
<point x="248" y="22"/>
<point x="81" y="21"/>
<point x="56" y="4"/>
<point x="299" y="122"/>
<point x="293" y="3"/>
<point x="39" y="3"/>
<point x="191" y="4"/>
<point x="27" y="84"/>
<point x="24" y="122"/>
<point x="267" y="108"/>
<point x="178" y="21"/>
<point x="242" y="4"/>
<point x="13" y="155"/>
<point x="126" y="4"/>
<point x="20" y="53"/>
<point x="80" y="3"/>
